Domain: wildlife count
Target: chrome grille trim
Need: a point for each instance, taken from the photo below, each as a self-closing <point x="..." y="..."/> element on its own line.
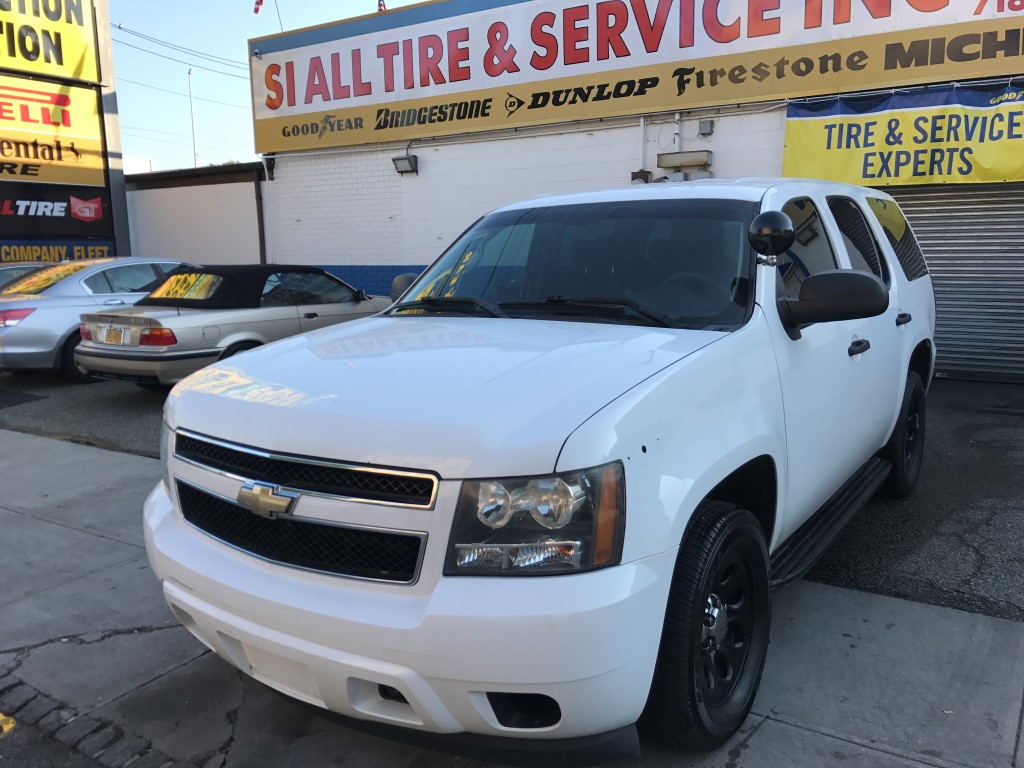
<point x="427" y="477"/>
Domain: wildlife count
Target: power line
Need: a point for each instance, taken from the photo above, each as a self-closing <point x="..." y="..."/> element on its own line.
<point x="179" y="143"/>
<point x="182" y="49"/>
<point x="184" y="95"/>
<point x="188" y="63"/>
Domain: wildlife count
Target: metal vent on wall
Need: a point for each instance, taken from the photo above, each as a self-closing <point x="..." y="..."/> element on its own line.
<point x="971" y="238"/>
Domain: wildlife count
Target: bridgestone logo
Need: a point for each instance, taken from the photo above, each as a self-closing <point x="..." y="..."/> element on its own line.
<point x="439" y="113"/>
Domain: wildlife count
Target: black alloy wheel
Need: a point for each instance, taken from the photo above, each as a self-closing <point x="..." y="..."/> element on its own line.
<point x="716" y="631"/>
<point x="905" y="449"/>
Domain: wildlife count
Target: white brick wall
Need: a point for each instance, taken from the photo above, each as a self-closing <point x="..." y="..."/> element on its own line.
<point x="353" y="208"/>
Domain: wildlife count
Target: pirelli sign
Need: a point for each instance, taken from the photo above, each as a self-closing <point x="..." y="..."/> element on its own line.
<point x="459" y="66"/>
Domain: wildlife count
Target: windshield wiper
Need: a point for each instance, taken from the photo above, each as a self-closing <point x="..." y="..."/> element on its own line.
<point x="451" y="303"/>
<point x="596" y="301"/>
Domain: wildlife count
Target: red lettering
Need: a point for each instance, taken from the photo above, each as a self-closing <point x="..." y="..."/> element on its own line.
<point x="879" y="9"/>
<point x="759" y="26"/>
<point x="609" y="33"/>
<point x="387" y="52"/>
<point x="340" y="91"/>
<point x="410" y="78"/>
<point x="431" y="53"/>
<point x="276" y="96"/>
<point x="360" y="87"/>
<point x="7" y="211"/>
<point x="573" y="35"/>
<point x="928" y="6"/>
<point x="289" y="82"/>
<point x="686" y="24"/>
<point x="812" y="14"/>
<point x="651" y="31"/>
<point x="544" y="40"/>
<point x="720" y="33"/>
<point x="458" y="55"/>
<point x="6" y="110"/>
<point x="316" y="82"/>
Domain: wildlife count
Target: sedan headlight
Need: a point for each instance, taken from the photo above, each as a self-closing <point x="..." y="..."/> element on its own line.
<point x="528" y="526"/>
<point x="166" y="451"/>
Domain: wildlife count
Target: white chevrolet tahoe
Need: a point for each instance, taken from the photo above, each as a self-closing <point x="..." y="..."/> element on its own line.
<point x="545" y="497"/>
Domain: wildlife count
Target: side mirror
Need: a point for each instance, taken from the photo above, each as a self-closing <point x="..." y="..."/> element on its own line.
<point x="401" y="284"/>
<point x="361" y="295"/>
<point x="837" y="294"/>
<point x="771" y="233"/>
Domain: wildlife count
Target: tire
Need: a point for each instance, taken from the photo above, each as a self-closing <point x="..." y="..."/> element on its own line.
<point x="905" y="449"/>
<point x="234" y="349"/>
<point x="69" y="369"/>
<point x="715" y="637"/>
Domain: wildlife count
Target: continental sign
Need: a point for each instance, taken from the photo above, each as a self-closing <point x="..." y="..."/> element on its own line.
<point x="50" y="133"/>
<point x="56" y="38"/>
<point x="458" y="66"/>
<point x="948" y="136"/>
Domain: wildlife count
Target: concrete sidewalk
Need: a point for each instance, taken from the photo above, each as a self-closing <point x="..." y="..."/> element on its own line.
<point x="91" y="659"/>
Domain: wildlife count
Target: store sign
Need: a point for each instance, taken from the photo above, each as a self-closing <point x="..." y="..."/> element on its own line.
<point x="50" y="133"/>
<point x="54" y="250"/>
<point x="56" y="38"/>
<point x="946" y="136"/>
<point x="50" y="210"/>
<point x="460" y="66"/>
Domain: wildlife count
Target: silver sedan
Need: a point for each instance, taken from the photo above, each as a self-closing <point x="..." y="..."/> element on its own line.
<point x="12" y="271"/>
<point x="39" y="313"/>
<point x="204" y="314"/>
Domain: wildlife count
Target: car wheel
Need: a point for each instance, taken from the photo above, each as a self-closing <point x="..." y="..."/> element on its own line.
<point x="234" y="349"/>
<point x="905" y="449"/>
<point x="715" y="636"/>
<point x="69" y="369"/>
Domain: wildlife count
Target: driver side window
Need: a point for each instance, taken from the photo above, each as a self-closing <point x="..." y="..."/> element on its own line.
<point x="810" y="253"/>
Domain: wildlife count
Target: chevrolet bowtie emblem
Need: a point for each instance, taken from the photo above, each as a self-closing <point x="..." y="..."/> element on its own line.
<point x="266" y="500"/>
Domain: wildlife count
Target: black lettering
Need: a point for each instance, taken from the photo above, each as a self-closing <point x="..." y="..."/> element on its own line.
<point x="898" y="56"/>
<point x="992" y="46"/>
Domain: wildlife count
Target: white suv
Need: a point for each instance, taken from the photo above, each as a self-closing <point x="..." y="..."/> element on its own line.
<point x="547" y="494"/>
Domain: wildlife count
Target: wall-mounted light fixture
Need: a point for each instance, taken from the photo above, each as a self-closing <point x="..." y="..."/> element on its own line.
<point x="406" y="164"/>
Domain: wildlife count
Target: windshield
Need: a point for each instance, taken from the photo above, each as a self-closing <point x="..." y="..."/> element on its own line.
<point x="39" y="281"/>
<point x="683" y="263"/>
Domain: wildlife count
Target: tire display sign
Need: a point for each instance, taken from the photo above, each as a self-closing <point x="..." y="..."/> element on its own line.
<point x="943" y="136"/>
<point x="50" y="133"/>
<point x="461" y="66"/>
<point x="51" y="210"/>
<point x="55" y="38"/>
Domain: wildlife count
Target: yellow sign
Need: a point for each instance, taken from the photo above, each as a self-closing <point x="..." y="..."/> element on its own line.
<point x="56" y="38"/>
<point x="942" y="136"/>
<point x="449" y="67"/>
<point x="50" y="133"/>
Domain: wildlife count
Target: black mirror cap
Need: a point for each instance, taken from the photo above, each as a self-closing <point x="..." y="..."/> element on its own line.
<point x="400" y="284"/>
<point x="837" y="294"/>
<point x="771" y="233"/>
<point x="362" y="295"/>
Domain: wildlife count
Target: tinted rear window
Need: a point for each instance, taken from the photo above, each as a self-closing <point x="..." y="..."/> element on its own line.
<point x="38" y="282"/>
<point x="900" y="237"/>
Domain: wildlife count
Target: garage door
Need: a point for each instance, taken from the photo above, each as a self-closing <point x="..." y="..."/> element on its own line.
<point x="973" y="239"/>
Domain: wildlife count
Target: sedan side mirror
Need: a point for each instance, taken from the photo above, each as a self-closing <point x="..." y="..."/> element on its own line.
<point x="836" y="294"/>
<point x="401" y="284"/>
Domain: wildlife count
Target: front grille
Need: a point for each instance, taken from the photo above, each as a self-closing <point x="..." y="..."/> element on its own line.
<point x="304" y="474"/>
<point x="365" y="554"/>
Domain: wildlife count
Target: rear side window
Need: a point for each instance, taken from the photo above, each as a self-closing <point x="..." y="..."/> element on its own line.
<point x="860" y="243"/>
<point x="127" y="278"/>
<point x="194" y="286"/>
<point x="900" y="237"/>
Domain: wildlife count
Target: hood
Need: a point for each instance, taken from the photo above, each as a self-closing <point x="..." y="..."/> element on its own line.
<point x="463" y="397"/>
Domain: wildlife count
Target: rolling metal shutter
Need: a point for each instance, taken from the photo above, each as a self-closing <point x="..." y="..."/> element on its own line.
<point x="973" y="239"/>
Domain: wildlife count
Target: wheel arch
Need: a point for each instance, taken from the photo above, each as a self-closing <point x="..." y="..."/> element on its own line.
<point x="755" y="487"/>
<point x="922" y="361"/>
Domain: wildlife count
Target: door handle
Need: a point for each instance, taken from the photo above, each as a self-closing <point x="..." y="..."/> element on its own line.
<point x="903" y="318"/>
<point x="310" y="315"/>
<point x="111" y="302"/>
<point x="859" y="347"/>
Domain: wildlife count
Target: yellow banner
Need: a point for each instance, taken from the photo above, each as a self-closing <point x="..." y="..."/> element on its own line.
<point x="551" y="61"/>
<point x="49" y="37"/>
<point x="943" y="136"/>
<point x="50" y="133"/>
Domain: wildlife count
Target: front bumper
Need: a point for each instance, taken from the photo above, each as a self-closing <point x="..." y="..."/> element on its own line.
<point x="587" y="641"/>
<point x="155" y="368"/>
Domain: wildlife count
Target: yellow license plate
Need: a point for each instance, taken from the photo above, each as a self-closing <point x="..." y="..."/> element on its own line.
<point x="114" y="335"/>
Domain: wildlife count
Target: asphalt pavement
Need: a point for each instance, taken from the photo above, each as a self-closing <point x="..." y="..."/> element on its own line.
<point x="94" y="671"/>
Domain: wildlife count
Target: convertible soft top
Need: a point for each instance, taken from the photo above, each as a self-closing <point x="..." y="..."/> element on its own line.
<point x="237" y="286"/>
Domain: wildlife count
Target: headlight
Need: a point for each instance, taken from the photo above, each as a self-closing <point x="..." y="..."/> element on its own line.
<point x="527" y="526"/>
<point x="166" y="451"/>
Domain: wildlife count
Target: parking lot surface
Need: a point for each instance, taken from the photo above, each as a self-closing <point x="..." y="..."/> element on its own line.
<point x="94" y="671"/>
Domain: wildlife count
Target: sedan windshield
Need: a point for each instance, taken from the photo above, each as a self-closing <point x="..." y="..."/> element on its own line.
<point x="39" y="281"/>
<point x="674" y="263"/>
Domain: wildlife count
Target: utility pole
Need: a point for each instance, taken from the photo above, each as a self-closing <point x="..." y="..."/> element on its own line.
<point x="192" y="110"/>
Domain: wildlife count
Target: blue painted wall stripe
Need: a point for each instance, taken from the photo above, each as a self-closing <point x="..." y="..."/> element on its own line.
<point x="375" y="279"/>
